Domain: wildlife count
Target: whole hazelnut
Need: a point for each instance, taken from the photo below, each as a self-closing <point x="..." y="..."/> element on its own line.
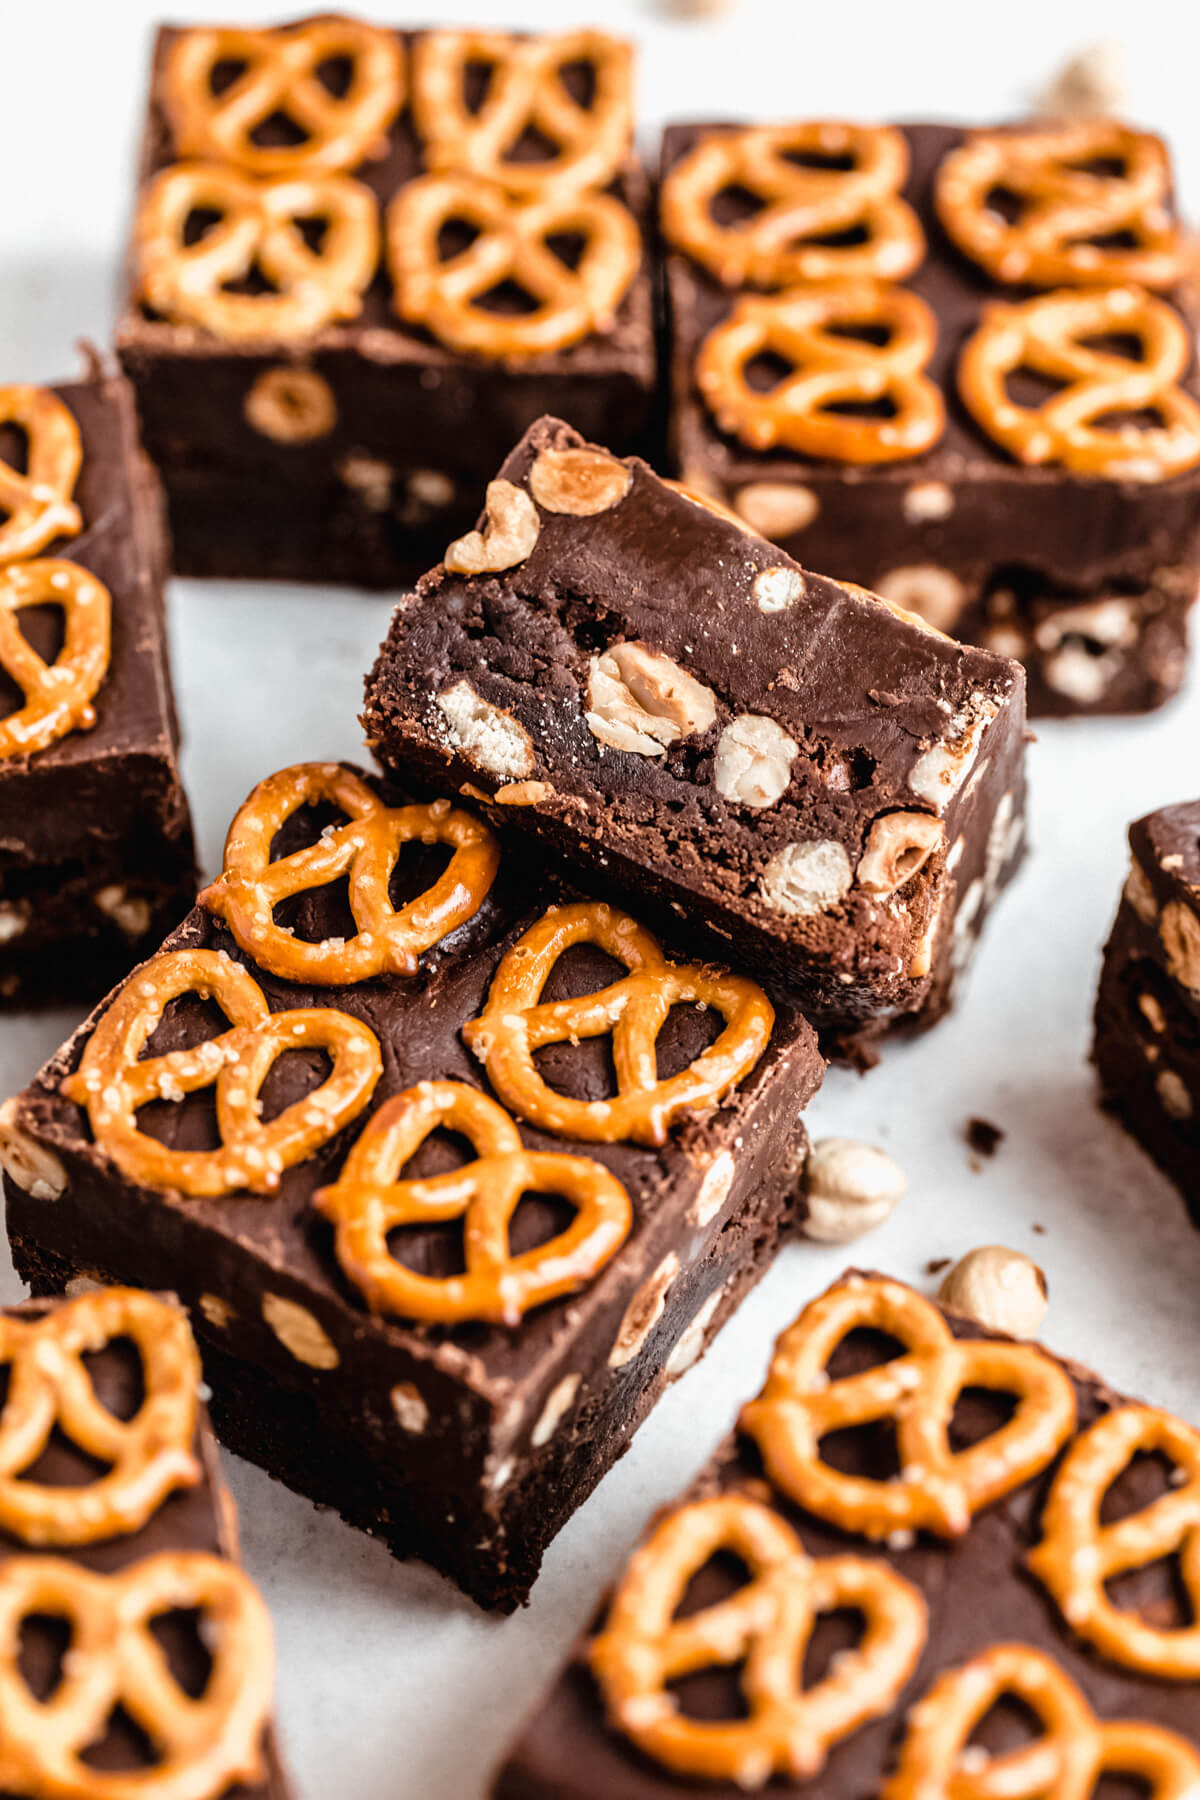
<point x="848" y="1189"/>
<point x="1002" y="1289"/>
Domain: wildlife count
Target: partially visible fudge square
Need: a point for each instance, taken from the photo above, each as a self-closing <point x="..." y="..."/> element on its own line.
<point x="795" y="773"/>
<point x="96" y="858"/>
<point x="710" y="1667"/>
<point x="462" y="1422"/>
<point x="1147" y="1025"/>
<point x="347" y="444"/>
<point x="1088" y="577"/>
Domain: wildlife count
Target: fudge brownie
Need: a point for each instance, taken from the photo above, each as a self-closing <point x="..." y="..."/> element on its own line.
<point x="96" y="857"/>
<point x="892" y="1582"/>
<point x="928" y="402"/>
<point x="665" y="701"/>
<point x="138" y="1656"/>
<point x="418" y="242"/>
<point x="1147" y="1043"/>
<point x="450" y="1355"/>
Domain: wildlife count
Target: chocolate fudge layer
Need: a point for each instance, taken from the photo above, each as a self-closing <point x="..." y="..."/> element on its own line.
<point x="1088" y="580"/>
<point x="466" y="1444"/>
<point x="1147" y="1043"/>
<point x="349" y="453"/>
<point x="976" y="1590"/>
<point x="96" y="858"/>
<point x="779" y="763"/>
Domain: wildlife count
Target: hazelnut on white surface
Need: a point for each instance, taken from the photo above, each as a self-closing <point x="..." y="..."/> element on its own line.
<point x="1002" y="1289"/>
<point x="849" y="1188"/>
<point x="508" y="537"/>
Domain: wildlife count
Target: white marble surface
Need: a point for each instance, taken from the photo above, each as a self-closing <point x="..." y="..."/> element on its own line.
<point x="390" y="1685"/>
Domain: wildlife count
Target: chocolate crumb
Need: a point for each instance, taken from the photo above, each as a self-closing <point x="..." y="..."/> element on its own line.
<point x="937" y="1264"/>
<point x="984" y="1137"/>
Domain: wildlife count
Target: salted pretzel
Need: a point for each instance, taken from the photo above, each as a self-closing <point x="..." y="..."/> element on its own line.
<point x="50" y="1389"/>
<point x="513" y="243"/>
<point x="368" y="1201"/>
<point x="206" y="1745"/>
<point x="389" y="939"/>
<point x="801" y="204"/>
<point x="258" y="228"/>
<point x="36" y="505"/>
<point x="112" y="1084"/>
<point x="58" y="695"/>
<point x="1055" y="337"/>
<point x="937" y="1489"/>
<point x="766" y="1626"/>
<point x="1075" y="215"/>
<point x="1066" y="1761"/>
<point x="805" y="328"/>
<point x="1077" y="1554"/>
<point x="279" y="74"/>
<point x="526" y="93"/>
<point x="516" y="1023"/>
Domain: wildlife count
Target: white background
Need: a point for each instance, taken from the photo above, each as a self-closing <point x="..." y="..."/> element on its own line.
<point x="390" y="1684"/>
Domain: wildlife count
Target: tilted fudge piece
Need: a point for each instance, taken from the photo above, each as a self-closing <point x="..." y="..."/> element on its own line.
<point x="666" y="701"/>
<point x="897" y="1581"/>
<point x="115" y="1524"/>
<point x="1147" y="1044"/>
<point x="958" y="367"/>
<point x="363" y="261"/>
<point x="450" y="1356"/>
<point x="95" y="835"/>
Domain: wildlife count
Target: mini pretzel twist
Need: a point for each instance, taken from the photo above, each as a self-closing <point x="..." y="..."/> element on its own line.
<point x="112" y="1084"/>
<point x="367" y="1202"/>
<point x="280" y="75"/>
<point x="827" y="369"/>
<point x="389" y="940"/>
<point x="36" y="506"/>
<point x="206" y="1745"/>
<point x="766" y="1626"/>
<point x="258" y="228"/>
<point x="1054" y="336"/>
<point x="1066" y="1762"/>
<point x="526" y="93"/>
<point x="49" y="1386"/>
<point x="1077" y="1555"/>
<point x="800" y="206"/>
<point x="937" y="1489"/>
<point x="513" y="244"/>
<point x="516" y="1023"/>
<point x="58" y="695"/>
<point x="1070" y="202"/>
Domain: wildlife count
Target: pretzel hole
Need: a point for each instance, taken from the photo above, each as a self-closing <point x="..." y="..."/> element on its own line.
<point x="199" y="222"/>
<point x="123" y="1745"/>
<point x="1028" y="387"/>
<point x="44" y="629"/>
<point x="118" y="1377"/>
<point x="1110" y="240"/>
<point x="317" y="913"/>
<point x="43" y="1640"/>
<point x="715" y="1692"/>
<point x="1005" y="203"/>
<point x="861" y="1349"/>
<point x="305" y="827"/>
<point x="180" y="1634"/>
<point x="882" y="408"/>
<point x="1009" y="1724"/>
<point x="834" y="1635"/>
<point x="1154" y="1593"/>
<point x="1141" y="418"/>
<point x="836" y="162"/>
<point x="870" y="1449"/>
<point x="62" y="1464"/>
<point x="455" y="236"/>
<point x="1106" y="168"/>
<point x="689" y="1030"/>
<point x="477" y="77"/>
<point x="978" y="1414"/>
<point x="766" y="371"/>
<point x="567" y="246"/>
<point x="14" y="450"/>
<point x="508" y="299"/>
<point x="579" y="79"/>
<point x="848" y="238"/>
<point x="278" y="131"/>
<point x="532" y="146"/>
<point x="336" y="75"/>
<point x="291" y="1077"/>
<point x="734" y="205"/>
<point x="861" y="332"/>
<point x="1116" y="343"/>
<point x="224" y="72"/>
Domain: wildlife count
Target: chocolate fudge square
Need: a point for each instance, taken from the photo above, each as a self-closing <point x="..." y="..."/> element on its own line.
<point x="459" y="1409"/>
<point x="417" y="291"/>
<point x="94" y="1556"/>
<point x="884" y="1611"/>
<point x="781" y="764"/>
<point x="1147" y="1042"/>
<point x="96" y="855"/>
<point x="1083" y="562"/>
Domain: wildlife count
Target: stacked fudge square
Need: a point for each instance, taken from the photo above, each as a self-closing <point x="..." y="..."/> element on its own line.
<point x="956" y="366"/>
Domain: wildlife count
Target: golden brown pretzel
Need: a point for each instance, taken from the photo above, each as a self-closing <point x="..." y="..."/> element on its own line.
<point x="1055" y="337"/>
<point x="280" y="75"/>
<point x="36" y="504"/>
<point x="513" y="244"/>
<point x="806" y="327"/>
<point x="937" y="1489"/>
<point x="526" y="93"/>
<point x="1070" y="201"/>
<point x="259" y="228"/>
<point x="112" y="1083"/>
<point x="516" y="1022"/>
<point x="206" y="1745"/>
<point x="800" y="207"/>
<point x="765" y="1626"/>
<point x="57" y="696"/>
<point x="368" y="1201"/>
<point x="365" y="850"/>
